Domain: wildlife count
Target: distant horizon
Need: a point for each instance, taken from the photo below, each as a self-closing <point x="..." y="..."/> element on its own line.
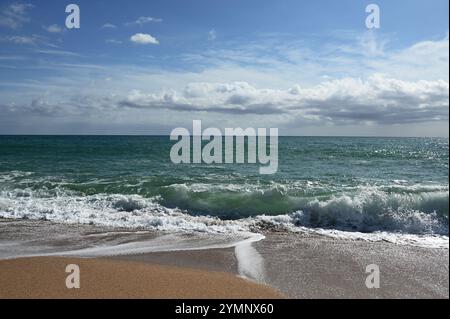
<point x="168" y="135"/>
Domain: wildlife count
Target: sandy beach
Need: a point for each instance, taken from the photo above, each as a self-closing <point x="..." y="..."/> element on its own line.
<point x="45" y="277"/>
<point x="292" y="265"/>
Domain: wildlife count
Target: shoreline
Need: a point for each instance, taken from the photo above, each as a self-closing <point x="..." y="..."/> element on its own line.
<point x="297" y="265"/>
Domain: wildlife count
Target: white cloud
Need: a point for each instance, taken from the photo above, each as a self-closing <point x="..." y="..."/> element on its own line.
<point x="424" y="60"/>
<point x="54" y="28"/>
<point x="15" y="15"/>
<point x="212" y="35"/>
<point x="58" y="52"/>
<point x="109" y="26"/>
<point x="113" y="41"/>
<point x="33" y="39"/>
<point x="142" y="38"/>
<point x="289" y="60"/>
<point x="349" y="101"/>
<point x="143" y="20"/>
<point x="377" y="100"/>
<point x="30" y="40"/>
<point x="277" y="83"/>
<point x="375" y="106"/>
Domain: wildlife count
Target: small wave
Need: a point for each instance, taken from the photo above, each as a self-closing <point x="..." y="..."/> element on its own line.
<point x="110" y="210"/>
<point x="13" y="175"/>
<point x="128" y="203"/>
<point x="290" y="223"/>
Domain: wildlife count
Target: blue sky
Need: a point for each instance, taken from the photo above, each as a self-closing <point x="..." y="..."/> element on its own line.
<point x="146" y="67"/>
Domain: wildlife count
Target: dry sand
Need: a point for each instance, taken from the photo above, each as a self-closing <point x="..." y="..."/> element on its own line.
<point x="45" y="277"/>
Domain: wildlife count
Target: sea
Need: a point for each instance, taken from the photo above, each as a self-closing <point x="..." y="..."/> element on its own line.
<point x="358" y="188"/>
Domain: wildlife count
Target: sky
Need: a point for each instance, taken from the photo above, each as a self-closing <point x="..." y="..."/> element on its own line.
<point x="147" y="67"/>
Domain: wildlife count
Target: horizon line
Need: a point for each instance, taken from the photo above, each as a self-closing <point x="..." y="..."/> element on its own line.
<point x="168" y="135"/>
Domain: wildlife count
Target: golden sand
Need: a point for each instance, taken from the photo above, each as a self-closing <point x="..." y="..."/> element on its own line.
<point x="45" y="277"/>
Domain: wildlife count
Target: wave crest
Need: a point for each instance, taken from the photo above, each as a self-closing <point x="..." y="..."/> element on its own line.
<point x="369" y="210"/>
<point x="414" y="209"/>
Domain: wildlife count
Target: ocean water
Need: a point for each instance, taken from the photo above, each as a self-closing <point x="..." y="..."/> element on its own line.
<point x="392" y="189"/>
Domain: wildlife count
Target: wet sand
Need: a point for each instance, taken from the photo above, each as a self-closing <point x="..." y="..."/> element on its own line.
<point x="45" y="277"/>
<point x="223" y="260"/>
<point x="322" y="267"/>
<point x="309" y="267"/>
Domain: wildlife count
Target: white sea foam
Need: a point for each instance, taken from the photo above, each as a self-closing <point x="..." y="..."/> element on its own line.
<point x="111" y="210"/>
<point x="288" y="223"/>
<point x="363" y="216"/>
<point x="250" y="262"/>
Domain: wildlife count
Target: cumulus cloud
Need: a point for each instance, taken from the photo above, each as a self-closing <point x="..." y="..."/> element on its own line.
<point x="143" y="38"/>
<point x="15" y="15"/>
<point x="377" y="100"/>
<point x="348" y="102"/>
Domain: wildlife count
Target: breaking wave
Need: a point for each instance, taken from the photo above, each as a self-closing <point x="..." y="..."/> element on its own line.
<point x="414" y="214"/>
<point x="417" y="209"/>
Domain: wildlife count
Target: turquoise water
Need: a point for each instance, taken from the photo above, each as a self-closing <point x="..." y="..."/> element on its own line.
<point x="367" y="185"/>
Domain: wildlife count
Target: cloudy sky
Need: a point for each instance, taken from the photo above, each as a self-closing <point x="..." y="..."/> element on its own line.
<point x="146" y="67"/>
